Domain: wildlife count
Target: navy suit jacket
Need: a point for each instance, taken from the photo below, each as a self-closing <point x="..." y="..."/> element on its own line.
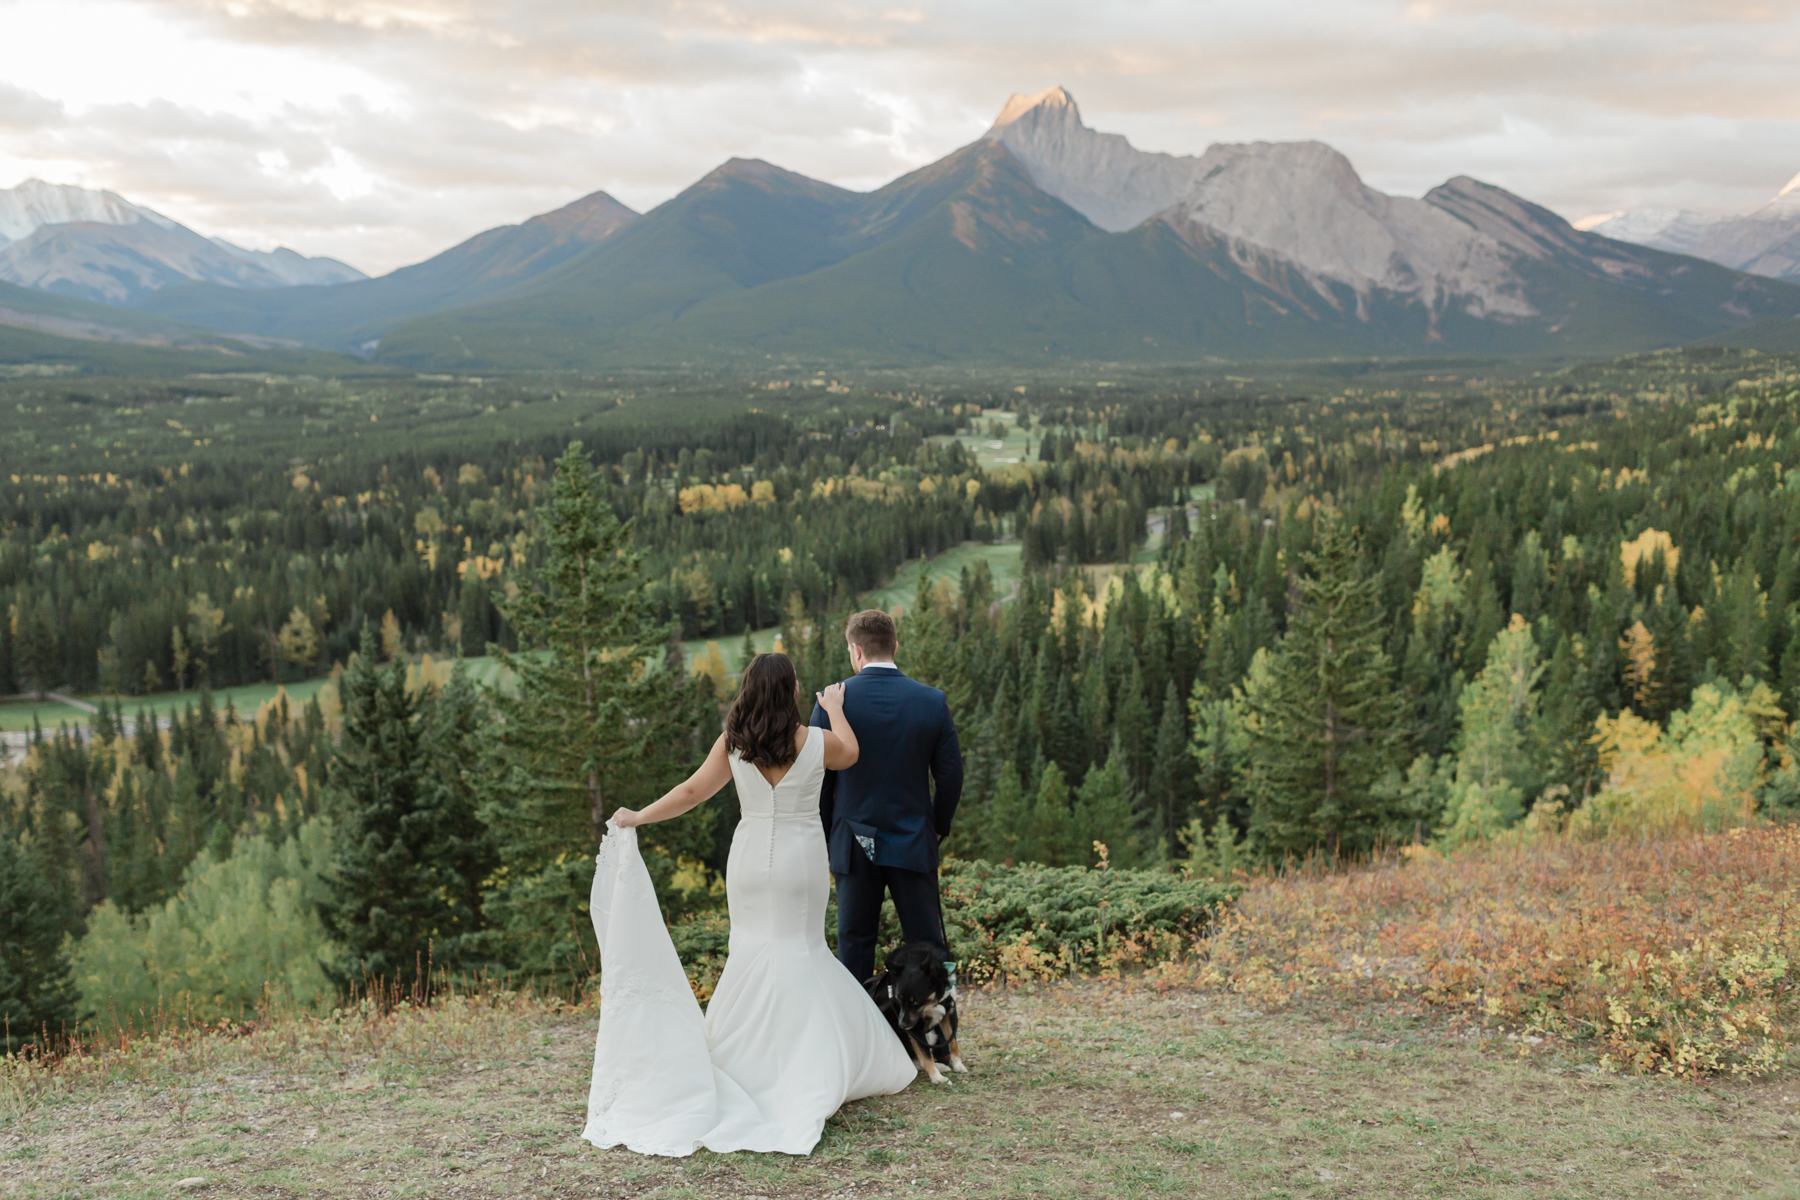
<point x="882" y="809"/>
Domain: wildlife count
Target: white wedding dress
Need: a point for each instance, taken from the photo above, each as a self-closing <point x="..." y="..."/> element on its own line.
<point x="789" y="1035"/>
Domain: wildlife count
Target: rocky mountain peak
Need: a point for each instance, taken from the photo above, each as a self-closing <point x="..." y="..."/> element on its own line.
<point x="100" y="246"/>
<point x="1304" y="203"/>
<point x="1053" y="103"/>
<point x="34" y="204"/>
<point x="1102" y="176"/>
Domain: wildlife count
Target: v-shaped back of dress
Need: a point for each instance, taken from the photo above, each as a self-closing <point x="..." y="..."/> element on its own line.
<point x="797" y="795"/>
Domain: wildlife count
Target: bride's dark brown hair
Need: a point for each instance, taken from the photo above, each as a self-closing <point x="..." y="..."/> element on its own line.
<point x="761" y="724"/>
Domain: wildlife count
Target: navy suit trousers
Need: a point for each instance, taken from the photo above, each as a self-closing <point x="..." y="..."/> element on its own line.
<point x="859" y="896"/>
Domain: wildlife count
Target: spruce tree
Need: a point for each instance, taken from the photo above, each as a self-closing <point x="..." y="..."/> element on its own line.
<point x="462" y="845"/>
<point x="1326" y="726"/>
<point x="1096" y="708"/>
<point x="403" y="890"/>
<point x="1132" y="729"/>
<point x="1010" y="837"/>
<point x="1493" y="770"/>
<point x="1171" y="791"/>
<point x="592" y="723"/>
<point x="37" y="997"/>
<point x="1065" y="740"/>
<point x="981" y="766"/>
<point x="1217" y="747"/>
<point x="1054" y="832"/>
<point x="926" y="637"/>
<point x="1104" y="814"/>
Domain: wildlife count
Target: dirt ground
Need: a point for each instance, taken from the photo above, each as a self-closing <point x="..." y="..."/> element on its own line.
<point x="1083" y="1090"/>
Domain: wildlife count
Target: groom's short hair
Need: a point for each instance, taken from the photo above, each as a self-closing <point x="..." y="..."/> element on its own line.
<point x="873" y="631"/>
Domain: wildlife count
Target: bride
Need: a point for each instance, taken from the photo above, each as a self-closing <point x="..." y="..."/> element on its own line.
<point x="790" y="1035"/>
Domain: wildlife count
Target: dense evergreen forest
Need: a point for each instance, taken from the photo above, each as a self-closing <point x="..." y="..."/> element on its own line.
<point x="1323" y="611"/>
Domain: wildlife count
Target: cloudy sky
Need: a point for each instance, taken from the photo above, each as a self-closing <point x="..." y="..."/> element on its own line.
<point x="382" y="132"/>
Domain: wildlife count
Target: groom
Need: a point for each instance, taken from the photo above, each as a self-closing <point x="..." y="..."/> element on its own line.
<point x="882" y="822"/>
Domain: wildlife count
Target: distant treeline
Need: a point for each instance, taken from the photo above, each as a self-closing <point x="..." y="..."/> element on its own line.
<point x="230" y="531"/>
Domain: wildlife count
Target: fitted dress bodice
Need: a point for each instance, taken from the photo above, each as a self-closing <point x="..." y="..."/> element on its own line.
<point x="796" y="797"/>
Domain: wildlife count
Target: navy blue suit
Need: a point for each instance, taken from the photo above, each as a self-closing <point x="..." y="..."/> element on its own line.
<point x="882" y="820"/>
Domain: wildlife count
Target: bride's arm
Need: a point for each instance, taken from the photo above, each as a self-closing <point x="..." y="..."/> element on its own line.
<point x="841" y="749"/>
<point x="702" y="785"/>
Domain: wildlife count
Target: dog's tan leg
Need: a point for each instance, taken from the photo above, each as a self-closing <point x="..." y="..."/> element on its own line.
<point x="956" y="1062"/>
<point x="923" y="1058"/>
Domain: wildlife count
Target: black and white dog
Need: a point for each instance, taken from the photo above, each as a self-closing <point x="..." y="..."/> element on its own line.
<point x="918" y="997"/>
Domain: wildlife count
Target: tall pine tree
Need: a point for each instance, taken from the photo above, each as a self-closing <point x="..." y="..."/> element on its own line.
<point x="1327" y="723"/>
<point x="593" y="722"/>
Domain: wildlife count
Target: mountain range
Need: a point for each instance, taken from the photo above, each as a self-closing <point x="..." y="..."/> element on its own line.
<point x="352" y="316"/>
<point x="1764" y="242"/>
<point x="99" y="246"/>
<point x="1043" y="240"/>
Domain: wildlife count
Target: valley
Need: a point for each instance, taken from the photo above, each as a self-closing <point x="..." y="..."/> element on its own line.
<point x="1332" y="493"/>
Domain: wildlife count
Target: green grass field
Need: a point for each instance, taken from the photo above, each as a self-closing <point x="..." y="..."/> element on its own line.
<point x="1014" y="446"/>
<point x="1002" y="559"/>
<point x="17" y="715"/>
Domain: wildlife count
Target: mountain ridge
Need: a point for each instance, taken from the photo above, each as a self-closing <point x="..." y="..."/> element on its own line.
<point x="97" y="245"/>
<point x="1765" y="241"/>
<point x="1278" y="249"/>
<point x="352" y="317"/>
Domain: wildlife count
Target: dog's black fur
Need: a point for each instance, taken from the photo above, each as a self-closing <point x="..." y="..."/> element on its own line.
<point x="916" y="996"/>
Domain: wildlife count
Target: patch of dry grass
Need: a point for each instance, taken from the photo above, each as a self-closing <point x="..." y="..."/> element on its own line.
<point x="1078" y="1090"/>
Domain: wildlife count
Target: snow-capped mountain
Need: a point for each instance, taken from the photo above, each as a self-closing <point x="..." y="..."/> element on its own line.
<point x="99" y="246"/>
<point x="1764" y="242"/>
<point x="35" y="203"/>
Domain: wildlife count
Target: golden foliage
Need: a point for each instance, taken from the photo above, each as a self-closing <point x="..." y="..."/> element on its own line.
<point x="1643" y="548"/>
<point x="1639" y="648"/>
<point x="706" y="497"/>
<point x="711" y="663"/>
<point x="390" y="635"/>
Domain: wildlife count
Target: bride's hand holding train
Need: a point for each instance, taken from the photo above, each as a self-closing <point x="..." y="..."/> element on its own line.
<point x="690" y="793"/>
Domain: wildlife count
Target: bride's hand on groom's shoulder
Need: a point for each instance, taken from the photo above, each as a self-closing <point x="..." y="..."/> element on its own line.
<point x="832" y="697"/>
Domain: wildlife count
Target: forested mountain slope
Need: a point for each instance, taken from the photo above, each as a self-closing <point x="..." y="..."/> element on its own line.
<point x="353" y="316"/>
<point x="47" y="332"/>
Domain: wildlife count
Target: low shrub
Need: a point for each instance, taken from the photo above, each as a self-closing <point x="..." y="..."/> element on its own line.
<point x="1676" y="954"/>
<point x="1015" y="923"/>
<point x="1031" y="922"/>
